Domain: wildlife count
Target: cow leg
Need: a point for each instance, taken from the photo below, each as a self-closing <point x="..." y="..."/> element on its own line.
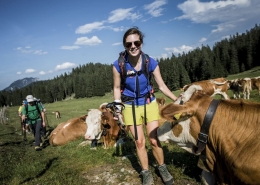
<point x="225" y="96"/>
<point x="207" y="178"/>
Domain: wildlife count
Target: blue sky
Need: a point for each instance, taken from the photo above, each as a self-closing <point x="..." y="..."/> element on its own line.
<point x="46" y="38"/>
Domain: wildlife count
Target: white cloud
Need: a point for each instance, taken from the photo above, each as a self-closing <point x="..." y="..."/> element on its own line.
<point x="86" y="41"/>
<point x="202" y="39"/>
<point x="164" y="56"/>
<point x="42" y="73"/>
<point x="225" y="37"/>
<point x="69" y="47"/>
<point x="66" y="65"/>
<point x="117" y="43"/>
<point x="205" y="12"/>
<point x="222" y="27"/>
<point x="40" y="52"/>
<point x="180" y="50"/>
<point x="122" y="28"/>
<point x="122" y="14"/>
<point x="19" y="73"/>
<point x="26" y="50"/>
<point x="87" y="28"/>
<point x="154" y="9"/>
<point x="229" y="13"/>
<point x="23" y="50"/>
<point x="30" y="70"/>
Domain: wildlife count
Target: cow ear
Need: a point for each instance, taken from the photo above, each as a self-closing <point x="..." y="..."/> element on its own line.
<point x="173" y="112"/>
<point x="104" y="119"/>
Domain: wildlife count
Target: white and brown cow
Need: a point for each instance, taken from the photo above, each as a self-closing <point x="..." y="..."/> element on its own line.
<point x="161" y="101"/>
<point x="240" y="86"/>
<point x="102" y="125"/>
<point x="97" y="124"/>
<point x="68" y="131"/>
<point x="212" y="87"/>
<point x="256" y="84"/>
<point x="235" y="87"/>
<point x="232" y="150"/>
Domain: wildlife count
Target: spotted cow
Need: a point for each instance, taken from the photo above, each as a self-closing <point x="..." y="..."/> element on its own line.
<point x="242" y="85"/>
<point x="161" y="101"/>
<point x="212" y="87"/>
<point x="102" y="125"/>
<point x="232" y="147"/>
<point x="256" y="84"/>
<point x="68" y="131"/>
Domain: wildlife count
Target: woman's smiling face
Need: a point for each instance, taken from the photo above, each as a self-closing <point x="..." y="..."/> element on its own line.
<point x="133" y="44"/>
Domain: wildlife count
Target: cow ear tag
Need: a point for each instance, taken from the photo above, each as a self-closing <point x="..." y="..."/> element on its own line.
<point x="177" y="116"/>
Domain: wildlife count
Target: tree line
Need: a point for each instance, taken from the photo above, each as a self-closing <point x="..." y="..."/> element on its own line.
<point x="232" y="55"/>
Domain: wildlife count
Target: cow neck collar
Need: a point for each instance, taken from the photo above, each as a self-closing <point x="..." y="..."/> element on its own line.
<point x="204" y="130"/>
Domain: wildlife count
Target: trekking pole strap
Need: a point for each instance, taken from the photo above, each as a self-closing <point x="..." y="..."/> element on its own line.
<point x="134" y="118"/>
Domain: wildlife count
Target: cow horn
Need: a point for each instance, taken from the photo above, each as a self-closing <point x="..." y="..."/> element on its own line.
<point x="218" y="83"/>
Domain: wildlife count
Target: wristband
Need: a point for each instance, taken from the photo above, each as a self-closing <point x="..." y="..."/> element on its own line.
<point x="118" y="106"/>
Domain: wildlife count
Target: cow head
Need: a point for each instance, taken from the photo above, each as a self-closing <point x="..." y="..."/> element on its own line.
<point x="93" y="121"/>
<point x="182" y="127"/>
<point x="101" y="123"/>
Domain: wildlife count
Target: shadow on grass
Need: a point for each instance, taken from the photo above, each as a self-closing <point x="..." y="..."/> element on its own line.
<point x="128" y="150"/>
<point x="48" y="165"/>
<point x="185" y="161"/>
<point x="182" y="160"/>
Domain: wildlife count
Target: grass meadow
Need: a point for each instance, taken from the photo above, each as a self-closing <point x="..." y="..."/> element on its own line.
<point x="71" y="164"/>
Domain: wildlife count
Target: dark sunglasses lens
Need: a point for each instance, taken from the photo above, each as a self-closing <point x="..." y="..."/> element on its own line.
<point x="128" y="44"/>
<point x="137" y="43"/>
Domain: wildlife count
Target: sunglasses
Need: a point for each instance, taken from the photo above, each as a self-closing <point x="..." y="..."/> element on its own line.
<point x="136" y="43"/>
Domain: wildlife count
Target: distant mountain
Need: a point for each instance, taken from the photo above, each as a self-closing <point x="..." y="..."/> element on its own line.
<point x="18" y="84"/>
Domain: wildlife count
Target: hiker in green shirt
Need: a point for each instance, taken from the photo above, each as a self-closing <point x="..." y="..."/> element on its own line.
<point x="35" y="116"/>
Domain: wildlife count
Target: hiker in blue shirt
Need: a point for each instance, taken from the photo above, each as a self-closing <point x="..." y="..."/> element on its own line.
<point x="35" y="116"/>
<point x="131" y="73"/>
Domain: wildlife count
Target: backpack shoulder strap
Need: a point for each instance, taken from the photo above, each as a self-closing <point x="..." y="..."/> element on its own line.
<point x="121" y="63"/>
<point x="145" y="67"/>
<point x="37" y="107"/>
<point x="26" y="109"/>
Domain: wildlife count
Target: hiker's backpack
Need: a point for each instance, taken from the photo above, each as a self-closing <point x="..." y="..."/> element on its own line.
<point x="37" y="107"/>
<point x="123" y="72"/>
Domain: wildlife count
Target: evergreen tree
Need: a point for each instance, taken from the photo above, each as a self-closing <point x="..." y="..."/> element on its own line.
<point x="234" y="67"/>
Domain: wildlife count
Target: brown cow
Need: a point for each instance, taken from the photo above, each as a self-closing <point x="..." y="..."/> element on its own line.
<point x="232" y="149"/>
<point x="240" y="86"/>
<point x="57" y="114"/>
<point x="68" y="131"/>
<point x="161" y="101"/>
<point x="212" y="87"/>
<point x="256" y="84"/>
<point x="235" y="87"/>
<point x="102" y="125"/>
<point x="102" y="120"/>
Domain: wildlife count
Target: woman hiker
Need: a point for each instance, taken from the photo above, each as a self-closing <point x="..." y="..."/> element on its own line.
<point x="135" y="91"/>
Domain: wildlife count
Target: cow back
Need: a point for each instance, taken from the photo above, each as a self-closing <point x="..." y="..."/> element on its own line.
<point x="68" y="131"/>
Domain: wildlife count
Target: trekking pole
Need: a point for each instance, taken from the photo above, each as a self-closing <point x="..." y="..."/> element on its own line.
<point x="134" y="118"/>
<point x="46" y="120"/>
<point x="24" y="130"/>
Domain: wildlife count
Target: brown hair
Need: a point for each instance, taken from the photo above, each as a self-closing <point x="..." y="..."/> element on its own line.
<point x="131" y="31"/>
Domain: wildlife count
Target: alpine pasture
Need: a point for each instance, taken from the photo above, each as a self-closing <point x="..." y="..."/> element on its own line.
<point x="73" y="164"/>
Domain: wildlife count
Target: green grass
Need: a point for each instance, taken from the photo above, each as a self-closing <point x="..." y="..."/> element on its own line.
<point x="69" y="164"/>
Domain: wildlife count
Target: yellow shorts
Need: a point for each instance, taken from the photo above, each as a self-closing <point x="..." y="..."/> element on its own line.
<point x="152" y="113"/>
